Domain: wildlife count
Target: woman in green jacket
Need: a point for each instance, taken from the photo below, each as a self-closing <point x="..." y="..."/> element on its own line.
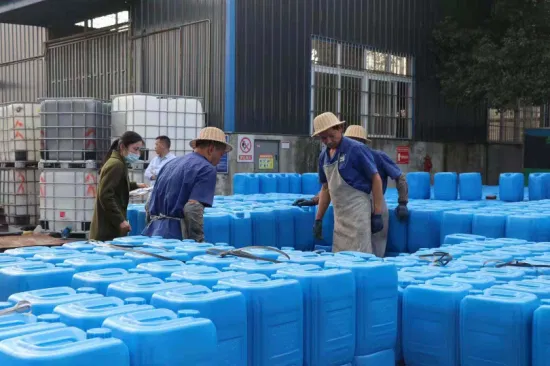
<point x="109" y="220"/>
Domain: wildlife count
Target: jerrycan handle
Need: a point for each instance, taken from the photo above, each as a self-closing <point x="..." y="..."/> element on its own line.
<point x="188" y="313"/>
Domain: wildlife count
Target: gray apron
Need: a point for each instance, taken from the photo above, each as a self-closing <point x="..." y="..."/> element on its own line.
<point x="183" y="227"/>
<point x="352" y="229"/>
<point x="380" y="239"/>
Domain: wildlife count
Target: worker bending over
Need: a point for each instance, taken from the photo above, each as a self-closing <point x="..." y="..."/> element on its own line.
<point x="185" y="186"/>
<point x="386" y="168"/>
<point x="349" y="177"/>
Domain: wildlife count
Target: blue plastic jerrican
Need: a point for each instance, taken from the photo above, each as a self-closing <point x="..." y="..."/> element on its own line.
<point x="216" y="261"/>
<point x="27" y="276"/>
<point x="383" y="358"/>
<point x="285" y="226"/>
<point x="454" y="222"/>
<point x="162" y="269"/>
<point x="491" y="225"/>
<point x="478" y="280"/>
<point x="397" y="234"/>
<point x="431" y="312"/>
<point x="203" y="275"/>
<point x="539" y="288"/>
<point x="295" y="183"/>
<point x="194" y="249"/>
<point x="283" y="183"/>
<point x="79" y="245"/>
<point x="7" y="260"/>
<point x="45" y="300"/>
<point x="376" y="289"/>
<point x="470" y="186"/>
<point x="446" y="186"/>
<point x="495" y="328"/>
<point x="303" y="217"/>
<point x="310" y="183"/>
<point x="217" y="227"/>
<point x="261" y="267"/>
<point x="424" y="229"/>
<point x="329" y="330"/>
<point x="27" y="252"/>
<point x="102" y="278"/>
<point x="165" y="244"/>
<point x="264" y="227"/>
<point x="423" y="273"/>
<point x="241" y="230"/>
<point x="159" y="337"/>
<point x="268" y="183"/>
<point x="246" y="183"/>
<point x="64" y="346"/>
<point x="537" y="186"/>
<point x="275" y="328"/>
<point x="57" y="256"/>
<point x="136" y="240"/>
<point x="505" y="273"/>
<point x="139" y="258"/>
<point x="457" y="238"/>
<point x="141" y="287"/>
<point x="17" y="324"/>
<point x="92" y="262"/>
<point x="541" y="327"/>
<point x="231" y="329"/>
<point x="511" y="187"/>
<point x="419" y="185"/>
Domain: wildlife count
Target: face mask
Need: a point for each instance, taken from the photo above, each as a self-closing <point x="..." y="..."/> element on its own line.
<point x="131" y="158"/>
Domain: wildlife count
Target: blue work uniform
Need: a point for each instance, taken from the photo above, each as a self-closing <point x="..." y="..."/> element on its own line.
<point x="348" y="175"/>
<point x="190" y="177"/>
<point x="386" y="167"/>
<point x="357" y="164"/>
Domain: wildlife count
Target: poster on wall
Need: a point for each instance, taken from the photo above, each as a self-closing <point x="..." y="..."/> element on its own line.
<point x="266" y="162"/>
<point x="403" y="155"/>
<point x="245" y="149"/>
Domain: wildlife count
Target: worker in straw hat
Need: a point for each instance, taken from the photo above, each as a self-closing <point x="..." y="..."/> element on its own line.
<point x="350" y="179"/>
<point x="386" y="168"/>
<point x="185" y="186"/>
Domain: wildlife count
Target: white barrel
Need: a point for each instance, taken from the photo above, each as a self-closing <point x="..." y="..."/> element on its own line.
<point x="75" y="129"/>
<point x="67" y="195"/>
<point x="179" y="118"/>
<point x="19" y="195"/>
<point x="20" y="132"/>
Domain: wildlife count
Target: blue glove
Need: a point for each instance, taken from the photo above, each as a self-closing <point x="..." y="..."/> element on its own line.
<point x="376" y="223"/>
<point x="402" y="212"/>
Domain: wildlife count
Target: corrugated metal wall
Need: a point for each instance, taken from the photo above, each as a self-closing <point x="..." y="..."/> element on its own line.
<point x="93" y="66"/>
<point x="273" y="61"/>
<point x="182" y="48"/>
<point x="21" y="63"/>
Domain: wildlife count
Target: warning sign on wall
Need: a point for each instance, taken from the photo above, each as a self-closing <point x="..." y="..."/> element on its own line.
<point x="265" y="162"/>
<point x="245" y="150"/>
<point x="402" y="155"/>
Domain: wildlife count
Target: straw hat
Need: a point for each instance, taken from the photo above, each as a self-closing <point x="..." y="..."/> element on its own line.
<point x="325" y="121"/>
<point x="357" y="132"/>
<point x="211" y="134"/>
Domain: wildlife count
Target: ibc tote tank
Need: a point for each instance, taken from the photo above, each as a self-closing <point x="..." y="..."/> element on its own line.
<point x="446" y="186"/>
<point x="511" y="187"/>
<point x="419" y="185"/>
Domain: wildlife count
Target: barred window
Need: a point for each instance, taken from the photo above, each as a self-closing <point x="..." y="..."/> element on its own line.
<point x="506" y="128"/>
<point x="363" y="86"/>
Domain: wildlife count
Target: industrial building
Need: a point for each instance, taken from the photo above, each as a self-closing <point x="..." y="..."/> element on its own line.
<point x="265" y="68"/>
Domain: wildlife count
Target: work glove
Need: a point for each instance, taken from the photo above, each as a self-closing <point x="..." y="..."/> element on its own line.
<point x="302" y="202"/>
<point x="402" y="212"/>
<point x="193" y="214"/>
<point x="376" y="223"/>
<point x="318" y="230"/>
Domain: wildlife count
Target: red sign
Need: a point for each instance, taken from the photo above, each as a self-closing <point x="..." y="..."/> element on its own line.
<point x="402" y="155"/>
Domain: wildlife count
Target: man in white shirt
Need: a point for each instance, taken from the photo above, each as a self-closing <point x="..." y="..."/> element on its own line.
<point x="162" y="149"/>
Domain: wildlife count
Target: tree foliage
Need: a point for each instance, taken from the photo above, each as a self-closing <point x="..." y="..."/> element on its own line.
<point x="503" y="59"/>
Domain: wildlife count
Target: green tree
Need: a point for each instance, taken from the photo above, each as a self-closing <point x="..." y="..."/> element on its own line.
<point x="502" y="58"/>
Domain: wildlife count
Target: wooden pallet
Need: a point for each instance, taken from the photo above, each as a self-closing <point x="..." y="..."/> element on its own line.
<point x="30" y="240"/>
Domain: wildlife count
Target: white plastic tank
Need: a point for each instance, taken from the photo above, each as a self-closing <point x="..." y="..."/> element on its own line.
<point x="179" y="118"/>
<point x="20" y="132"/>
<point x="67" y="195"/>
<point x="75" y="129"/>
<point x="19" y="195"/>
